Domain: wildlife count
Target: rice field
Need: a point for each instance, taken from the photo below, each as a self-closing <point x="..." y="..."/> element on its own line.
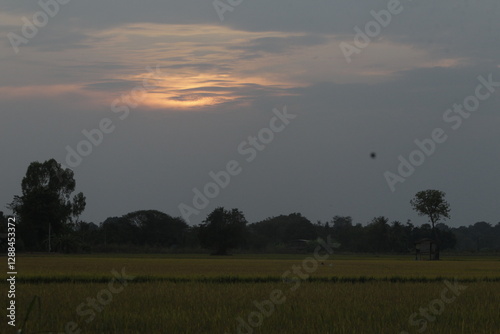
<point x="256" y="294"/>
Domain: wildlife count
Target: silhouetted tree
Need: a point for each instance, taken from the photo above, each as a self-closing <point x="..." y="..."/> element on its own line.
<point x="282" y="230"/>
<point x="447" y="238"/>
<point x="3" y="222"/>
<point x="45" y="203"/>
<point x="3" y="232"/>
<point x="120" y="231"/>
<point x="223" y="230"/>
<point x="481" y="236"/>
<point x="88" y="234"/>
<point x="344" y="232"/>
<point x="157" y="228"/>
<point x="398" y="237"/>
<point x="431" y="203"/>
<point x="377" y="232"/>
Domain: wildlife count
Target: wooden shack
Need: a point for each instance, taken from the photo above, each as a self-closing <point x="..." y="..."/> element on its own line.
<point x="426" y="249"/>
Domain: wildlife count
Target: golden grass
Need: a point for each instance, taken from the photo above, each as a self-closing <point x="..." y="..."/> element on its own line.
<point x="312" y="308"/>
<point x="153" y="304"/>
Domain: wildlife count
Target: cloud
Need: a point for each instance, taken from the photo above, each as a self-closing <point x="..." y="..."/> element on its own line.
<point x="201" y="67"/>
<point x="280" y="44"/>
<point x="54" y="40"/>
<point x="113" y="85"/>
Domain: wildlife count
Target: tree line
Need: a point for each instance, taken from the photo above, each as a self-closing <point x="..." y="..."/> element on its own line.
<point x="48" y="220"/>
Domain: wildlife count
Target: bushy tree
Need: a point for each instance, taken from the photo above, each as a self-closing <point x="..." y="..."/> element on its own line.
<point x="46" y="203"/>
<point x="431" y="203"/>
<point x="223" y="230"/>
<point x="157" y="228"/>
<point x="284" y="229"/>
<point x="378" y="234"/>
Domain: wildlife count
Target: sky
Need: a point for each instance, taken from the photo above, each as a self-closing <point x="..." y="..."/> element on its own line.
<point x="271" y="107"/>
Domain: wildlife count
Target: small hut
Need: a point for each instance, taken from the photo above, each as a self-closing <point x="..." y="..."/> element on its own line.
<point x="425" y="249"/>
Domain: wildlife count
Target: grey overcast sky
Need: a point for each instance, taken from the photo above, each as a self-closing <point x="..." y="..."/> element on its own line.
<point x="292" y="96"/>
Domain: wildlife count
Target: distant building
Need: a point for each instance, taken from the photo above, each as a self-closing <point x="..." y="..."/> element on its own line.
<point x="425" y="249"/>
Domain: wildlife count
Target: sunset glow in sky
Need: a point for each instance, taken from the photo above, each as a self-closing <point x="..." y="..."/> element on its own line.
<point x="216" y="82"/>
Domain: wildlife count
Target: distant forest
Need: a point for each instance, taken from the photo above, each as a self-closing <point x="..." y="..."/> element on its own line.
<point x="154" y="231"/>
<point x="48" y="219"/>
